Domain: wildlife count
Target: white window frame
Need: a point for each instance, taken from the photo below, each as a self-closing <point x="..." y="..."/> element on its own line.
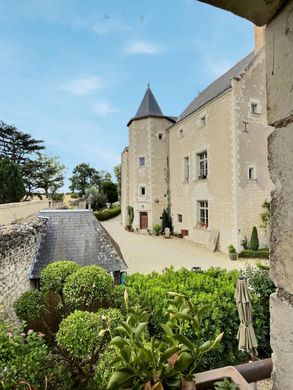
<point x="202" y="165"/>
<point x="203" y="213"/>
<point x="186" y="168"/>
<point x="140" y="160"/>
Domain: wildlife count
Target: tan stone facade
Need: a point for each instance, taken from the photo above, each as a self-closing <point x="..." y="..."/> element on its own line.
<point x="216" y="177"/>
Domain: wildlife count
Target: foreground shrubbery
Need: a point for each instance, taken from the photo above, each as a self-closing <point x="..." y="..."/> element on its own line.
<point x="77" y="309"/>
<point x="108" y="213"/>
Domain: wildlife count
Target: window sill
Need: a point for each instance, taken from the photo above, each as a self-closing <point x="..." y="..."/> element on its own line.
<point x="252" y="181"/>
<point x="199" y="227"/>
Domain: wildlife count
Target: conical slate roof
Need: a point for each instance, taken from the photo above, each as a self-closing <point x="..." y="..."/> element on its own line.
<point x="150" y="107"/>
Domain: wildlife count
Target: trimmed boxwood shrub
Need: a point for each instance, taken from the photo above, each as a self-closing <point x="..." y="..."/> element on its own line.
<point x="88" y="288"/>
<point x="250" y="254"/>
<point x="55" y="274"/>
<point x="82" y="334"/>
<point x="108" y="213"/>
<point x="254" y="242"/>
<point x="30" y="305"/>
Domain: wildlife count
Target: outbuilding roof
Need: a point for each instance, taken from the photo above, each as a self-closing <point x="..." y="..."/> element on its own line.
<point x="78" y="236"/>
<point x="217" y="87"/>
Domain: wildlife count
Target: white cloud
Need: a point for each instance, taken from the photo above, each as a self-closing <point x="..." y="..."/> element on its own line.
<point x="217" y="68"/>
<point x="143" y="47"/>
<point x="104" y="109"/>
<point x="83" y="86"/>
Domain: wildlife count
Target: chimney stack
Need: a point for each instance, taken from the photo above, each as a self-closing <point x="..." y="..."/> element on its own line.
<point x="259" y="37"/>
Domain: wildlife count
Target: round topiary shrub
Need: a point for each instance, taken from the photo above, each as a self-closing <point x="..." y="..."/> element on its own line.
<point x="82" y="334"/>
<point x="105" y="367"/>
<point x="55" y="275"/>
<point x="30" y="305"/>
<point x="88" y="288"/>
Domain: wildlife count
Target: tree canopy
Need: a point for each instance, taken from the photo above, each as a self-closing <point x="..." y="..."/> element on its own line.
<point x="11" y="183"/>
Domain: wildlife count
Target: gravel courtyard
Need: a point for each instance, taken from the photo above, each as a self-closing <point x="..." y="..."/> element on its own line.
<point x="144" y="253"/>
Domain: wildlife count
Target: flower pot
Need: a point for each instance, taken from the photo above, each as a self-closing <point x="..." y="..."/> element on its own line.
<point x="205" y="380"/>
<point x="233" y="256"/>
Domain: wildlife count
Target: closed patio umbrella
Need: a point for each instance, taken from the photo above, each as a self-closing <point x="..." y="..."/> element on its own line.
<point x="245" y="336"/>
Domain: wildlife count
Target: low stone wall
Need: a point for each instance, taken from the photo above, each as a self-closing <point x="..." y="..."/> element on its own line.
<point x="11" y="212"/>
<point x="18" y="246"/>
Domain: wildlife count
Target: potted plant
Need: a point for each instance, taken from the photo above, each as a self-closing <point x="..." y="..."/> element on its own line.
<point x="232" y="252"/>
<point x="152" y="363"/>
<point x="157" y="229"/>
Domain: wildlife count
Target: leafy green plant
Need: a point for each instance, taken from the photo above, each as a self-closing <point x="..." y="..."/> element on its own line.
<point x="25" y="358"/>
<point x="266" y="215"/>
<point x="165" y="363"/>
<point x="130" y="215"/>
<point x="54" y="275"/>
<point x="231" y="249"/>
<point x="225" y="385"/>
<point x="88" y="288"/>
<point x="244" y="243"/>
<point x="30" y="305"/>
<point x="259" y="254"/>
<point x="157" y="228"/>
<point x="106" y="214"/>
<point x="83" y="337"/>
<point x="254" y="242"/>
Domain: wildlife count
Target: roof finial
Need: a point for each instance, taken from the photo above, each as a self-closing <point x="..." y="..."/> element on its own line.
<point x="148" y="85"/>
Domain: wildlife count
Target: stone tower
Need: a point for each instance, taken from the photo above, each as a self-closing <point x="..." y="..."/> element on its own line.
<point x="144" y="164"/>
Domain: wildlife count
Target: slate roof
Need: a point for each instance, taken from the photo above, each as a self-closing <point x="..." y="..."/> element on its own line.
<point x="217" y="87"/>
<point x="76" y="235"/>
<point x="150" y="107"/>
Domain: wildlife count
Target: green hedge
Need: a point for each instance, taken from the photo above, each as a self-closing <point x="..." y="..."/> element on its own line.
<point x="250" y="254"/>
<point x="215" y="287"/>
<point x="108" y="213"/>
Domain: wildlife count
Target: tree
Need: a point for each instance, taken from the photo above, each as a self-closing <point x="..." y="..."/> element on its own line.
<point x="99" y="198"/>
<point x="11" y="183"/>
<point x="266" y="215"/>
<point x="85" y="177"/>
<point x="117" y="172"/>
<point x="167" y="220"/>
<point x="16" y="145"/>
<point x="110" y="190"/>
<point x="254" y="243"/>
<point x="48" y="174"/>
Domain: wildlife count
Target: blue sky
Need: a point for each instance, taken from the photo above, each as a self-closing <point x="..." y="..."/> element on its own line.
<point x="73" y="72"/>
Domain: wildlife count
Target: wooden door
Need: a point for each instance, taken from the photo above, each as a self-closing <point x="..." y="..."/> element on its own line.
<point x="143" y="220"/>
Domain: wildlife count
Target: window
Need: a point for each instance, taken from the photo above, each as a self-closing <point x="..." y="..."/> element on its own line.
<point x="251" y="173"/>
<point x="160" y="136"/>
<point x="142" y="191"/>
<point x="203" y="121"/>
<point x="141" y="161"/>
<point x="254" y="108"/>
<point x="181" y="133"/>
<point x="186" y="168"/>
<point x="203" y="214"/>
<point x="179" y="217"/>
<point x="202" y="159"/>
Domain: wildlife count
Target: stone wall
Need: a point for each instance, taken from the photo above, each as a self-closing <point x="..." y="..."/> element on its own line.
<point x="279" y="49"/>
<point x="18" y="246"/>
<point x="11" y="212"/>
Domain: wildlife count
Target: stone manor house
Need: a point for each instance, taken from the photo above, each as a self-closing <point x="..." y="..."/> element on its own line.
<point x="208" y="165"/>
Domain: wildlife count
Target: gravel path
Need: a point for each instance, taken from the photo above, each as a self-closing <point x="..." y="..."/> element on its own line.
<point x="144" y="253"/>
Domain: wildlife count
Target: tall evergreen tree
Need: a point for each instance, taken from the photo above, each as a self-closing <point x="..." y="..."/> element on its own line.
<point x="254" y="242"/>
<point x="11" y="183"/>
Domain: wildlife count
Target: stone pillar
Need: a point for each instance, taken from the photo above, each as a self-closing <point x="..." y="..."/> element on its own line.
<point x="279" y="57"/>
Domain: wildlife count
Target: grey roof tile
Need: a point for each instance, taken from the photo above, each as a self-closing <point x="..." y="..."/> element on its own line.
<point x="217" y="87"/>
<point x="77" y="235"/>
